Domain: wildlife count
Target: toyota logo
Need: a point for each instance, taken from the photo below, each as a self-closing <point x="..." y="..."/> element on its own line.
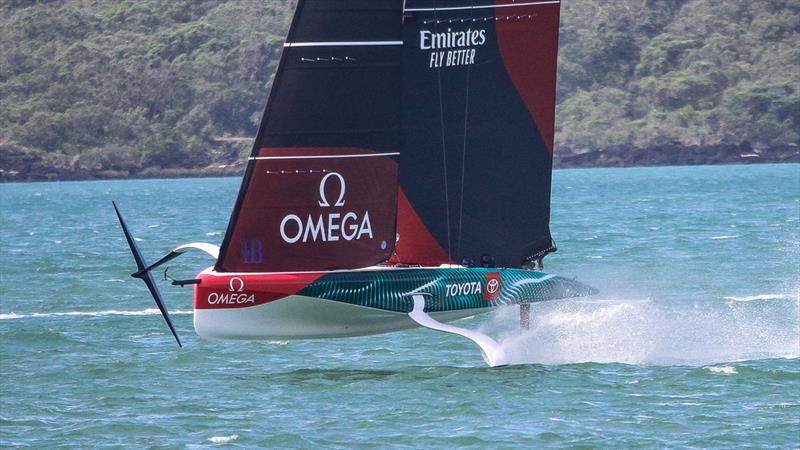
<point x="493" y="286"/>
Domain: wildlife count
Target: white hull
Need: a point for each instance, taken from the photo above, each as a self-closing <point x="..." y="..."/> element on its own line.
<point x="301" y="317"/>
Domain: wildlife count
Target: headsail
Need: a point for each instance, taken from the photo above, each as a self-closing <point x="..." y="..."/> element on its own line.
<point x="320" y="188"/>
<point x="479" y="104"/>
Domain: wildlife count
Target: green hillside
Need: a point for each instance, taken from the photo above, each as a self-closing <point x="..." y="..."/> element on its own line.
<point x="170" y="87"/>
<point x="697" y="72"/>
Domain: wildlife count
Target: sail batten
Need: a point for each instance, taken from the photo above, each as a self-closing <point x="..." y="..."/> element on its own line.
<point x="324" y="156"/>
<point x="341" y="43"/>
<point x="473" y="6"/>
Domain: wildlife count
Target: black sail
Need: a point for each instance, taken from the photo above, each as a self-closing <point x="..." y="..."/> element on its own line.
<point x="319" y="191"/>
<point x="479" y="105"/>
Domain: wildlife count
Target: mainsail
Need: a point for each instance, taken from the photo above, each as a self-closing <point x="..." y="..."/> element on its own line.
<point x="417" y="130"/>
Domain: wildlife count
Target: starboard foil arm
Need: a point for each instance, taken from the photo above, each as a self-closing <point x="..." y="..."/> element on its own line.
<point x="492" y="352"/>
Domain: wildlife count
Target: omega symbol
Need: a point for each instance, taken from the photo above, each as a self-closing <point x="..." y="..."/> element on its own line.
<point x="323" y="200"/>
<point x="232" y="284"/>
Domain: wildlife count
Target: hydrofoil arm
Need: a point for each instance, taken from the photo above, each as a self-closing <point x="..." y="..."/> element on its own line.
<point x="211" y="249"/>
<point x="492" y="352"/>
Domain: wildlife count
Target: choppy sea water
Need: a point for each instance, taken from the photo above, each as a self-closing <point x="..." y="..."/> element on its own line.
<point x="694" y="340"/>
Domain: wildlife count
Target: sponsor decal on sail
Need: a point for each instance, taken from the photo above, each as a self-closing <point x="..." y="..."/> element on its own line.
<point x="451" y="48"/>
<point x="327" y="226"/>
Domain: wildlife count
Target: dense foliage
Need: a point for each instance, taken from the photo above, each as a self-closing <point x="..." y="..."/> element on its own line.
<point x="115" y="86"/>
<point x="140" y="83"/>
<point x="699" y="72"/>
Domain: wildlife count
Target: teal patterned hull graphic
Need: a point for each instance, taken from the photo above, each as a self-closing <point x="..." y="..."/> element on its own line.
<point x="446" y="289"/>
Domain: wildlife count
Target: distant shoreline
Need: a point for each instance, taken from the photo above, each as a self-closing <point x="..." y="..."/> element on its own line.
<point x="26" y="167"/>
<point x="676" y="154"/>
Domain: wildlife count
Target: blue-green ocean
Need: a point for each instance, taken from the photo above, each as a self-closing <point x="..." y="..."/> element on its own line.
<point x="694" y="340"/>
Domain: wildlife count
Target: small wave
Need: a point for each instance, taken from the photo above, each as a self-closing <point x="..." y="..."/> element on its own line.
<point x="223" y="439"/>
<point x="751" y="298"/>
<point x="110" y="312"/>
<point x="720" y="238"/>
<point x="214" y="233"/>
<point x="727" y="370"/>
<point x="10" y="316"/>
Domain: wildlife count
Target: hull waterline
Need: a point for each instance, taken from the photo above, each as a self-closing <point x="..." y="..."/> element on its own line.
<point x="300" y="317"/>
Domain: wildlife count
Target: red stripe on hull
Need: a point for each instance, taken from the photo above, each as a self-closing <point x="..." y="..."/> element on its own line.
<point x="244" y="290"/>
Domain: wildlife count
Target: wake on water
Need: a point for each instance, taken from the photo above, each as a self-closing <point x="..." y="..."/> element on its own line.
<point x="614" y="330"/>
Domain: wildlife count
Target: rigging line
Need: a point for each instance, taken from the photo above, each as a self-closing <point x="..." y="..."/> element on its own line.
<point x="464" y="151"/>
<point x="444" y="145"/>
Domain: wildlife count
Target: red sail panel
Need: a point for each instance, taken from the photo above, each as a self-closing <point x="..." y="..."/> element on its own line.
<point x="530" y="54"/>
<point x="310" y="209"/>
<point x="415" y="243"/>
